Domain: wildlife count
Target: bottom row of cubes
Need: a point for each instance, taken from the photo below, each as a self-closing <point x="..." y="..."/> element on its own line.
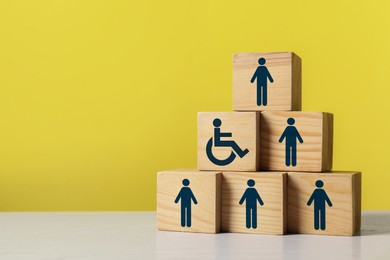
<point x="259" y="202"/>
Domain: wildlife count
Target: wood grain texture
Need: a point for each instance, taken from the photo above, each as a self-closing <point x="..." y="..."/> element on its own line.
<point x="283" y="94"/>
<point x="327" y="142"/>
<point x="313" y="155"/>
<point x="206" y="187"/>
<point x="244" y="127"/>
<point x="344" y="191"/>
<point x="271" y="217"/>
<point x="296" y="83"/>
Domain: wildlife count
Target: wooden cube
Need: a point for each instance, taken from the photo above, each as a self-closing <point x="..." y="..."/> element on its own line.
<point x="296" y="141"/>
<point x="266" y="81"/>
<point x="228" y="141"/>
<point x="189" y="200"/>
<point x="324" y="203"/>
<point x="244" y="212"/>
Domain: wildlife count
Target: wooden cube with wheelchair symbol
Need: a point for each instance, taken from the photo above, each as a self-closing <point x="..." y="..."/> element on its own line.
<point x="228" y="141"/>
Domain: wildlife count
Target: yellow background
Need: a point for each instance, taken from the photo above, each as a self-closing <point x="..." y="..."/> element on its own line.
<point x="96" y="96"/>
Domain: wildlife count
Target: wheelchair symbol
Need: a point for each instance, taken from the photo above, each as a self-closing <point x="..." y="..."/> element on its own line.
<point x="220" y="143"/>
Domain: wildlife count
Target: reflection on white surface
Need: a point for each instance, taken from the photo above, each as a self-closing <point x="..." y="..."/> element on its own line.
<point x="373" y="243"/>
<point x="134" y="236"/>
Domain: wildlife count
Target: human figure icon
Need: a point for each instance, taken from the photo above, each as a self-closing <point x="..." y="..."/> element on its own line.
<point x="319" y="197"/>
<point x="187" y="197"/>
<point x="291" y="135"/>
<point x="251" y="196"/>
<point x="218" y="142"/>
<point x="262" y="75"/>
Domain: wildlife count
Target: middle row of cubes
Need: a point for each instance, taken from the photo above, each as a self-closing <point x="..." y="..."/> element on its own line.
<point x="269" y="140"/>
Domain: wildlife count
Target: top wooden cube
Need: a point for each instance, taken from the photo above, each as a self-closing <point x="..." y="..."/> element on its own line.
<point x="266" y="81"/>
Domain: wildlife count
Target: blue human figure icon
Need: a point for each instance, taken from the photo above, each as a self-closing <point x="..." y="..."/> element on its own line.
<point x="187" y="197"/>
<point x="291" y="135"/>
<point x="218" y="142"/>
<point x="251" y="196"/>
<point x="262" y="75"/>
<point x="319" y="197"/>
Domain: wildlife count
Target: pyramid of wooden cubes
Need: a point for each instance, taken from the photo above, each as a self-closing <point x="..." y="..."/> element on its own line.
<point x="265" y="168"/>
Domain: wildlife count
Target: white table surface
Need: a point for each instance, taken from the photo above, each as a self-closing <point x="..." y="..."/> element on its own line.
<point x="126" y="235"/>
